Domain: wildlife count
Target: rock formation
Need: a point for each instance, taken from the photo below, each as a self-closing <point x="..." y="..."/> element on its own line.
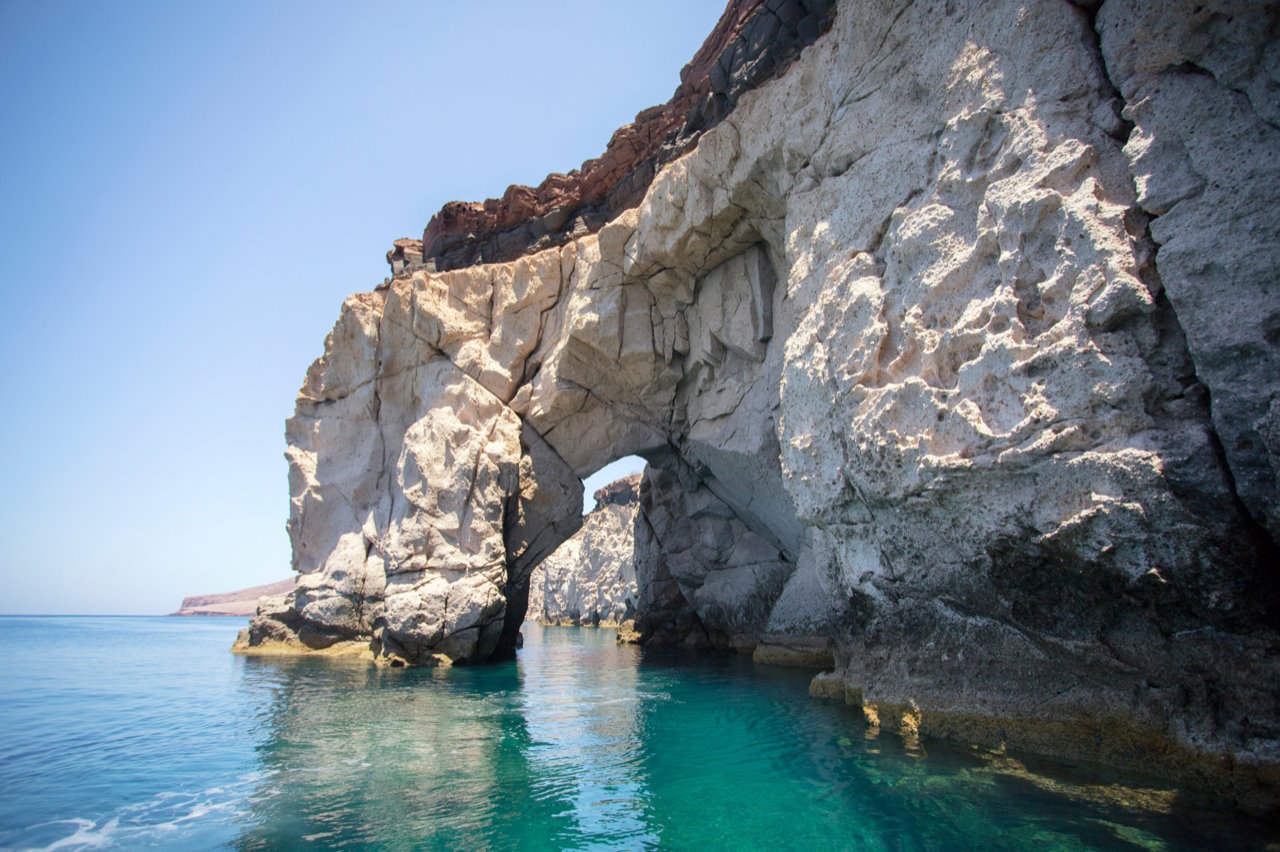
<point x="591" y="578"/>
<point x="952" y="346"/>
<point x="243" y="602"/>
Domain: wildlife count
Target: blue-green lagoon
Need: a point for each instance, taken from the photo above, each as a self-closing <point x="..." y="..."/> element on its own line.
<point x="146" y="732"/>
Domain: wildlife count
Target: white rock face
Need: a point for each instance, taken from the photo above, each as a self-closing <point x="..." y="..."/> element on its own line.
<point x="420" y="500"/>
<point x="591" y="578"/>
<point x="934" y="358"/>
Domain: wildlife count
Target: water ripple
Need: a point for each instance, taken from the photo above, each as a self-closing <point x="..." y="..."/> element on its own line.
<point x="145" y="732"/>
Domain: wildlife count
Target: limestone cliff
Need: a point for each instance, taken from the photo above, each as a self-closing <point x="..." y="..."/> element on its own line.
<point x="591" y="578"/>
<point x="952" y="345"/>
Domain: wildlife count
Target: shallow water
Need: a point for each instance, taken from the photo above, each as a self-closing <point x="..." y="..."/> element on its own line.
<point x="145" y="732"/>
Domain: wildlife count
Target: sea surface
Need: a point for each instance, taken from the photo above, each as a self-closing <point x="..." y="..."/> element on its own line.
<point x="146" y="732"/>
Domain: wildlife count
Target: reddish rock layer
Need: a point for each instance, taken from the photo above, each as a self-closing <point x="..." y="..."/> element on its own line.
<point x="753" y="41"/>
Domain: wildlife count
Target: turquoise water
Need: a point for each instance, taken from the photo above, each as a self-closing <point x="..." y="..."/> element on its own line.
<point x="145" y="732"/>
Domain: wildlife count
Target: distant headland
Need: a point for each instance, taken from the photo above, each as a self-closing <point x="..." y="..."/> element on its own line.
<point x="243" y="602"/>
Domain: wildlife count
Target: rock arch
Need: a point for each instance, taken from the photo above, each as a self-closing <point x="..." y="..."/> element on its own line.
<point x="437" y="447"/>
<point x="895" y="339"/>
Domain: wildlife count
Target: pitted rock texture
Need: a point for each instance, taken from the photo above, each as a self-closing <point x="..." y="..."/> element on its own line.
<point x="950" y="347"/>
<point x="591" y="578"/>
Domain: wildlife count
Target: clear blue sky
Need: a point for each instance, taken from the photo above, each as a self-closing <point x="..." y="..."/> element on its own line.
<point x="188" y="192"/>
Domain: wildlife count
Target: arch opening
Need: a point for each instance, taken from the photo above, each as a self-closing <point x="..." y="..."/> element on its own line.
<point x="590" y="579"/>
<point x="611" y="472"/>
<point x="690" y="383"/>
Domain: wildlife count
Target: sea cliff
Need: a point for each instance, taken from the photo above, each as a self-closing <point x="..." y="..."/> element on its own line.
<point x="950" y="332"/>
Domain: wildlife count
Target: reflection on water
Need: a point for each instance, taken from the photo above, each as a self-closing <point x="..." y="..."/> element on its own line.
<point x="541" y="752"/>
<point x="145" y="732"/>
<point x="581" y="705"/>
<point x="583" y="744"/>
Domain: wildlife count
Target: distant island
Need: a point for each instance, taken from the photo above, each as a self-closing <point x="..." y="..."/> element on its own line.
<point x="243" y="602"/>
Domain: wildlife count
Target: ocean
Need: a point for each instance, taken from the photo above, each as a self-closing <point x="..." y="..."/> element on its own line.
<point x="145" y="732"/>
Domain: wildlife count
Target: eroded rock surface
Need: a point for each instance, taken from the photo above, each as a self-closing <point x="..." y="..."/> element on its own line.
<point x="951" y="351"/>
<point x="591" y="578"/>
<point x="1201" y="84"/>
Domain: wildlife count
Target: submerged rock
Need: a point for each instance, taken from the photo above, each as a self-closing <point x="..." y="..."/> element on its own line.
<point x="945" y="353"/>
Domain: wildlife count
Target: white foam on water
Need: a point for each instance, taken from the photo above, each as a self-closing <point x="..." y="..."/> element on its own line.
<point x="166" y="814"/>
<point x="86" y="836"/>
